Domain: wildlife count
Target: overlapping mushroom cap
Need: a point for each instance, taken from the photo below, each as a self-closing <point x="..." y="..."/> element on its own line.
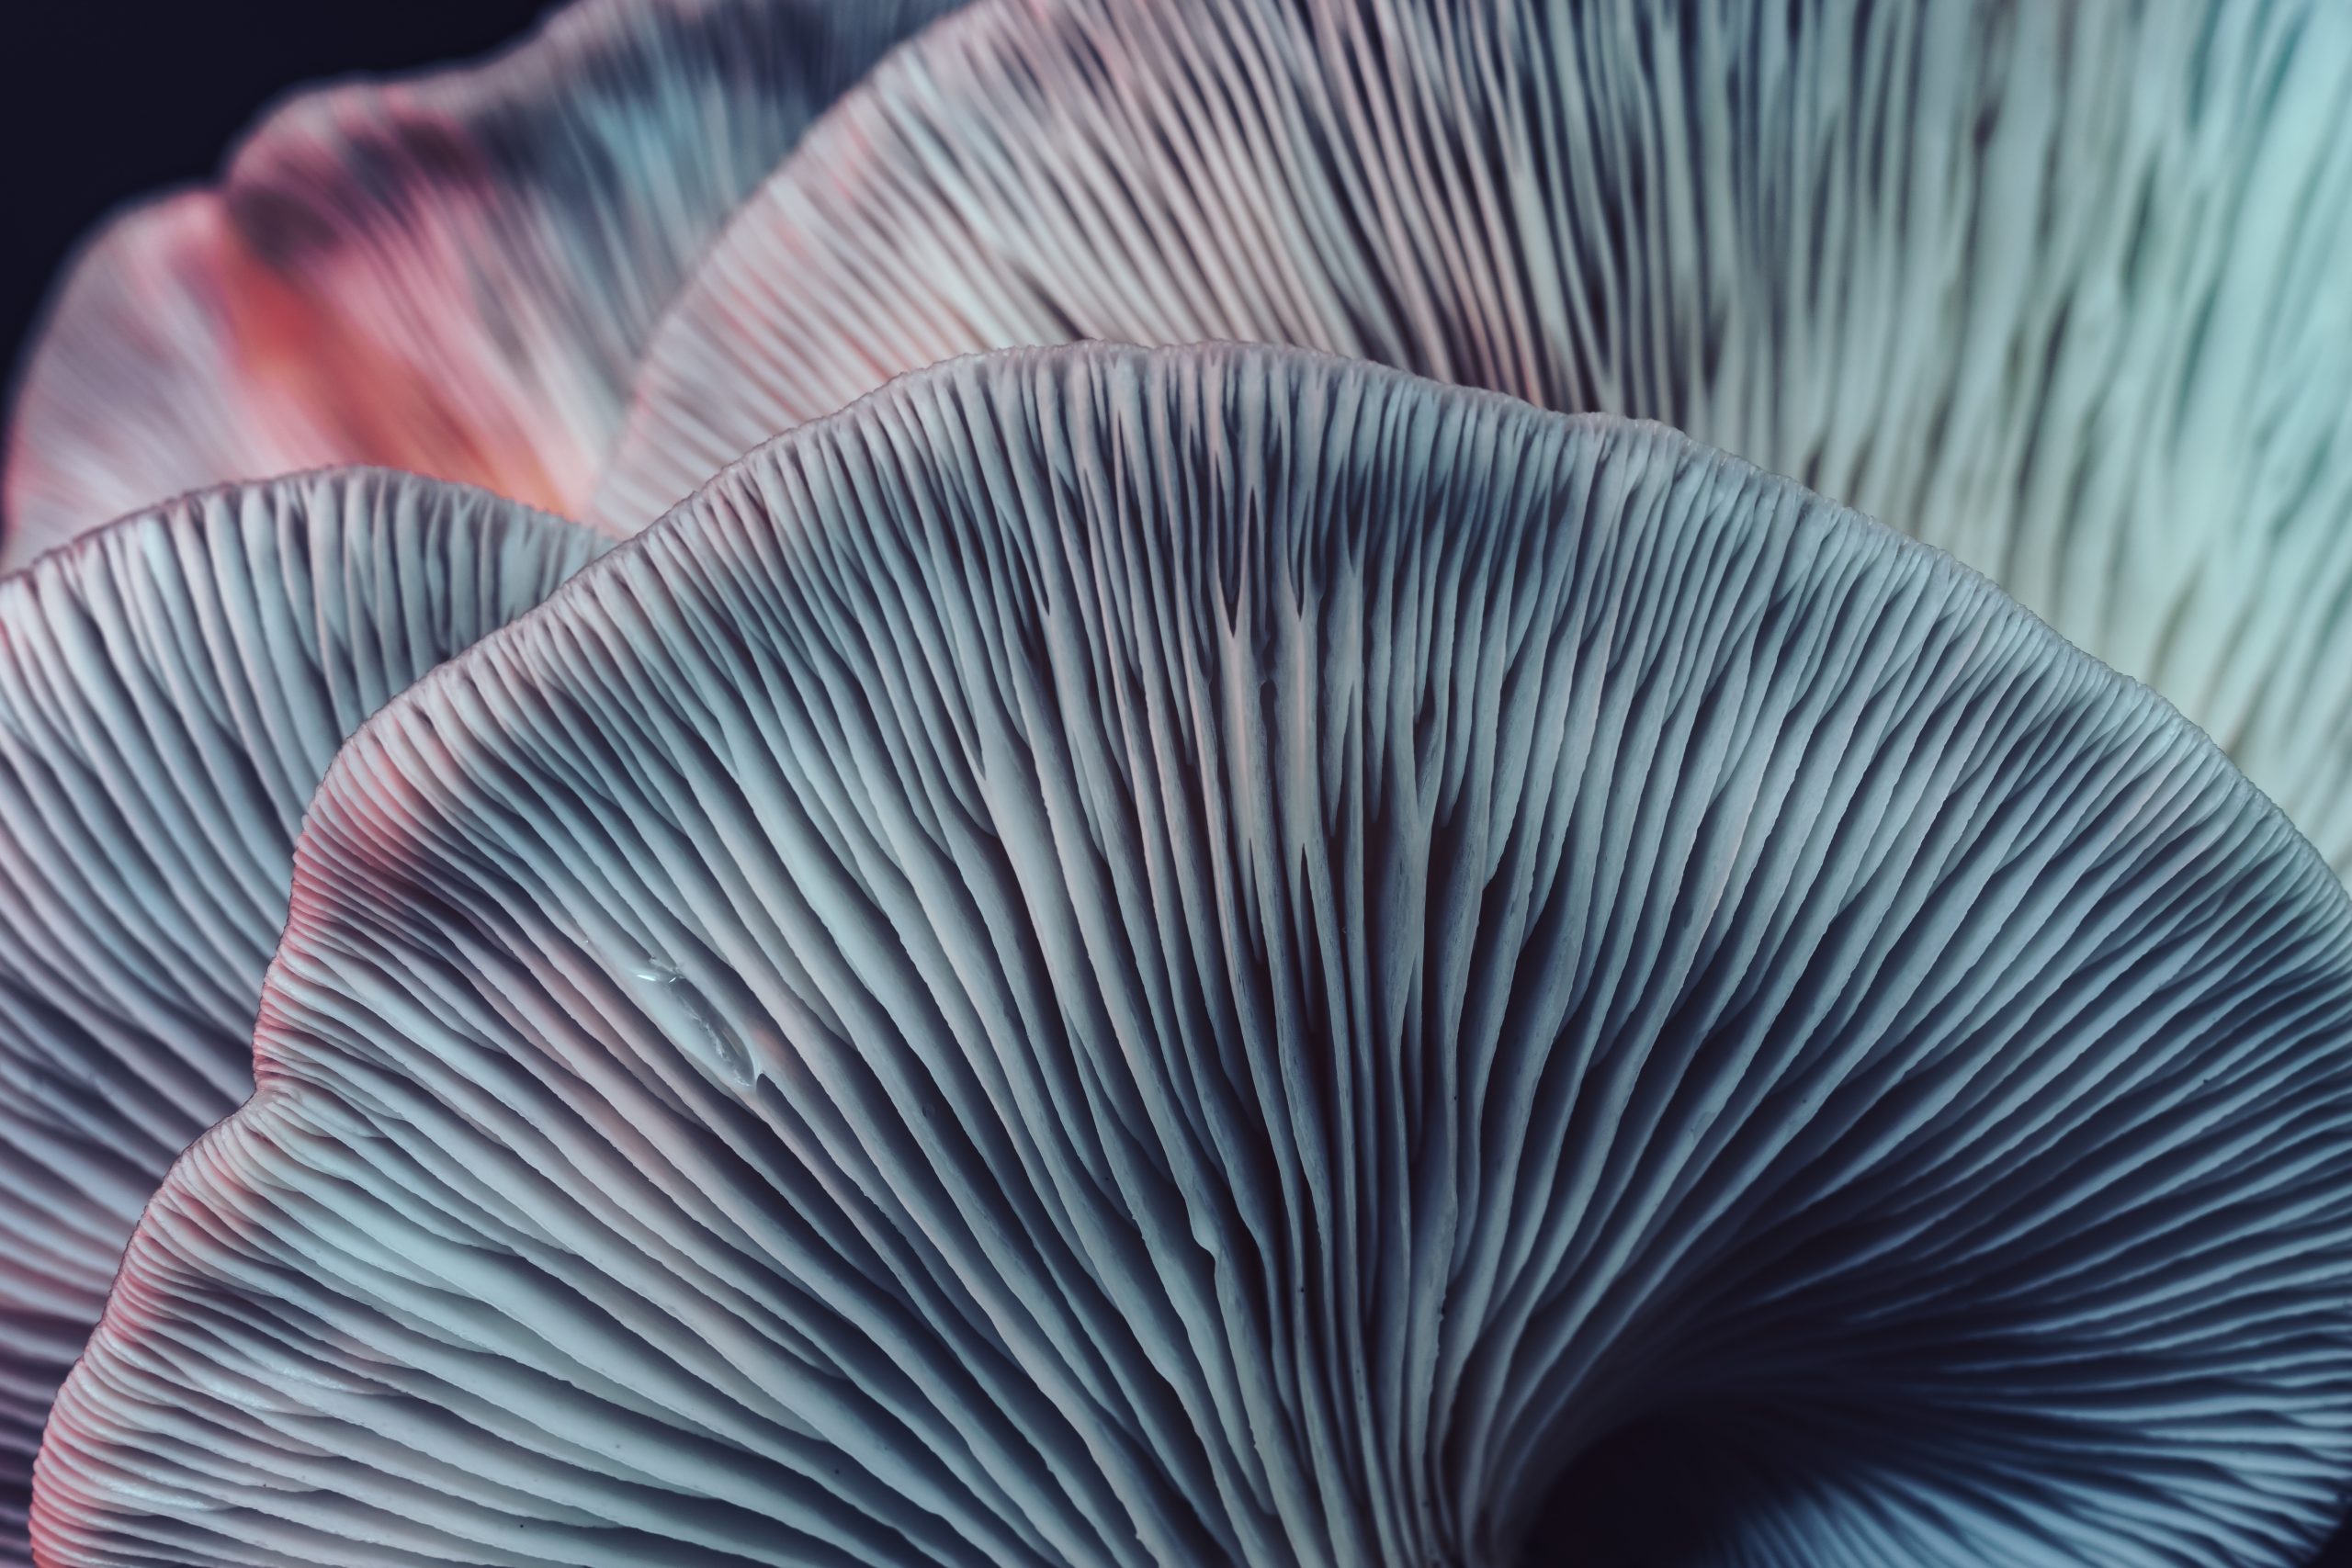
<point x="171" y="688"/>
<point x="2059" y="287"/>
<point x="1217" y="956"/>
<point x="452" y="275"/>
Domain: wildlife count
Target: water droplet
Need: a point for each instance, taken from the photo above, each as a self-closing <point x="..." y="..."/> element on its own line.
<point x="717" y="1036"/>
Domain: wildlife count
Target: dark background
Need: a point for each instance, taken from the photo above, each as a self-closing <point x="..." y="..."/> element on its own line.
<point x="105" y="100"/>
<point x="102" y="101"/>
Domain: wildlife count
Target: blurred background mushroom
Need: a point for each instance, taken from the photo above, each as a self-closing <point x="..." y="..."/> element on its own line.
<point x="171" y="687"/>
<point x="1221" y="955"/>
<point x="2058" y="287"/>
<point x="450" y="273"/>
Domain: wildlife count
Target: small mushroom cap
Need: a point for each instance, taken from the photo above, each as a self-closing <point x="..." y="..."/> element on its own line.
<point x="2059" y="287"/>
<point x="1221" y="956"/>
<point x="451" y="274"/>
<point x="171" y="688"/>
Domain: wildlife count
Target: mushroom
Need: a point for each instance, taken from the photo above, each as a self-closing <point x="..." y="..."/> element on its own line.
<point x="2060" y="288"/>
<point x="451" y="274"/>
<point x="171" y="687"/>
<point x="1220" y="955"/>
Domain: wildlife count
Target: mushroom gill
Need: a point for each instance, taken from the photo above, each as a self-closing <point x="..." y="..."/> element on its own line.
<point x="1217" y="956"/>
<point x="171" y="687"/>
<point x="2058" y="287"/>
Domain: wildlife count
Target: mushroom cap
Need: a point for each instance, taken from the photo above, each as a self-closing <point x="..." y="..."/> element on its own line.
<point x="171" y="687"/>
<point x="451" y="274"/>
<point x="2060" y="288"/>
<point x="1218" y="955"/>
